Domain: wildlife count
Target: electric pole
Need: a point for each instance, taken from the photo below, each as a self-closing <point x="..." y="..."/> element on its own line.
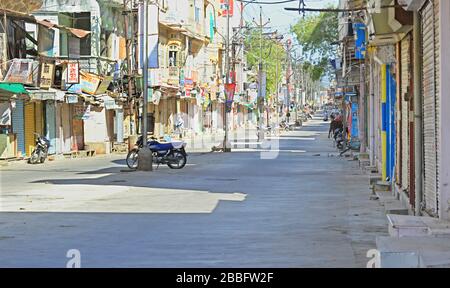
<point x="226" y="142"/>
<point x="288" y="77"/>
<point x="145" y="154"/>
<point x="261" y="79"/>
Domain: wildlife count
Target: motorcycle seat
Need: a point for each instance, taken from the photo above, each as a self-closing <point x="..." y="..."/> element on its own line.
<point x="177" y="144"/>
<point x="160" y="146"/>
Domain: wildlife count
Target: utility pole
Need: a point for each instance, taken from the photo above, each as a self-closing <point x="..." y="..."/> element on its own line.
<point x="144" y="154"/>
<point x="128" y="41"/>
<point x="260" y="25"/>
<point x="288" y="77"/>
<point x="226" y="142"/>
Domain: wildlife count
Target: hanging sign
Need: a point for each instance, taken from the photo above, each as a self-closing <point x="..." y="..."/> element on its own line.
<point x="71" y="99"/>
<point x="47" y="73"/>
<point x="20" y="71"/>
<point x="229" y="91"/>
<point x="73" y="75"/>
<point x="104" y="85"/>
<point x="89" y="82"/>
<point x="226" y="6"/>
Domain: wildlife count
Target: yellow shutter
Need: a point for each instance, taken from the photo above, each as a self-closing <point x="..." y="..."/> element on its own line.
<point x="38" y="111"/>
<point x="29" y="127"/>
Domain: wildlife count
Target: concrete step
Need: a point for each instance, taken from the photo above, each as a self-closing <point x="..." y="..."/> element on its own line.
<point x="363" y="156"/>
<point x="382" y="186"/>
<point x="364" y="163"/>
<point x="406" y="225"/>
<point x="395" y="207"/>
<point x="413" y="252"/>
<point x="384" y="197"/>
<point x="374" y="179"/>
<point x="371" y="169"/>
<point x="416" y="226"/>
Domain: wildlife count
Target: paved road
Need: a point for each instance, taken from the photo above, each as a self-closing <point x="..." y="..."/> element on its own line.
<point x="303" y="208"/>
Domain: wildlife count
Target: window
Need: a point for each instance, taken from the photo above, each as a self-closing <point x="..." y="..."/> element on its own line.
<point x="196" y="12"/>
<point x="80" y="21"/>
<point x="173" y="58"/>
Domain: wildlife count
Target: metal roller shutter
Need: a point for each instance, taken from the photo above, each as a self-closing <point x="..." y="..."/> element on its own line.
<point x="18" y="126"/>
<point x="50" y="125"/>
<point x="30" y="120"/>
<point x="66" y="134"/>
<point x="39" y="113"/>
<point x="429" y="91"/>
<point x="405" y="62"/>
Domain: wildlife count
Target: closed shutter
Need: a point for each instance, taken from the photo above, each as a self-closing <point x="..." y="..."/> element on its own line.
<point x="58" y="145"/>
<point x="405" y="57"/>
<point x="119" y="125"/>
<point x="66" y="128"/>
<point x="50" y="125"/>
<point x="437" y="59"/>
<point x="430" y="116"/>
<point x="39" y="114"/>
<point x="18" y="126"/>
<point x="29" y="127"/>
<point x="77" y="130"/>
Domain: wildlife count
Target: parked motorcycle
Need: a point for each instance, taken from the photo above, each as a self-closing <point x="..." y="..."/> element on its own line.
<point x="172" y="153"/>
<point x="339" y="138"/>
<point x="285" y="126"/>
<point x="40" y="151"/>
<point x="267" y="131"/>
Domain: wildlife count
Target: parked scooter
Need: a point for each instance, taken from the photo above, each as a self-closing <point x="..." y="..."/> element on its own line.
<point x="172" y="153"/>
<point x="40" y="151"/>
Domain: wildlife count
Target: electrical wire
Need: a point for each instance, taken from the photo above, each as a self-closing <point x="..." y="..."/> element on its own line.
<point x="267" y="3"/>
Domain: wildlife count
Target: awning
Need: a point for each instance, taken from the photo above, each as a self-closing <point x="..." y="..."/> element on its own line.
<point x="173" y="26"/>
<point x="24" y="5"/>
<point x="49" y="94"/>
<point x="13" y="88"/>
<point x="31" y="19"/>
<point x="74" y="31"/>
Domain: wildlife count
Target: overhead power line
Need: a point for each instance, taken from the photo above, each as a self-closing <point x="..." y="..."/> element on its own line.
<point x="267" y="2"/>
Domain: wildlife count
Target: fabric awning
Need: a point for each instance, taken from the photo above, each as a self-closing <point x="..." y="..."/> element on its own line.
<point x="80" y="33"/>
<point x="13" y="88"/>
<point x="74" y="31"/>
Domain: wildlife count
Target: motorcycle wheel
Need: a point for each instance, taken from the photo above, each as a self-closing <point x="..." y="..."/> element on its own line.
<point x="132" y="158"/>
<point x="181" y="160"/>
<point x="33" y="158"/>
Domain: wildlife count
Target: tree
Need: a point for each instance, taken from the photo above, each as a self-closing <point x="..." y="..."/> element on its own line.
<point x="273" y="54"/>
<point x="317" y="34"/>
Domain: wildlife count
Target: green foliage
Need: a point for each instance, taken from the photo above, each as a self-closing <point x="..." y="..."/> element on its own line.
<point x="316" y="33"/>
<point x="273" y="55"/>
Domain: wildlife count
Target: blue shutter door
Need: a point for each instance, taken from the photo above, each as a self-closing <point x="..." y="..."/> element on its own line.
<point x="18" y="126"/>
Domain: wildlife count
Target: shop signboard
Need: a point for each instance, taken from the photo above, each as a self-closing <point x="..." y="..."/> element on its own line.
<point x="227" y="10"/>
<point x="71" y="99"/>
<point x="73" y="75"/>
<point x="104" y="85"/>
<point x="82" y="112"/>
<point x="20" y="71"/>
<point x="89" y="82"/>
<point x="47" y="74"/>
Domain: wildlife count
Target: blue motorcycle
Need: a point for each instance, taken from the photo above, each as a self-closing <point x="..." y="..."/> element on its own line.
<point x="171" y="153"/>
